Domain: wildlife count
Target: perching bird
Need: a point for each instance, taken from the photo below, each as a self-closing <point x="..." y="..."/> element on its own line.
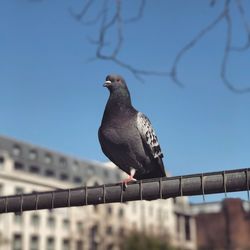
<point x="127" y="137"/>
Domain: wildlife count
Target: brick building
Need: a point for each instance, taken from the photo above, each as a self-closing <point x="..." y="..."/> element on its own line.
<point x="224" y="225"/>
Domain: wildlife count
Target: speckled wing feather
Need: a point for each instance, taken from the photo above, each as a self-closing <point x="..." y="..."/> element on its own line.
<point x="148" y="135"/>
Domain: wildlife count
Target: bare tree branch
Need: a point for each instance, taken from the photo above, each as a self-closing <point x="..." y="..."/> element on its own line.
<point x="228" y="49"/>
<point x="84" y="10"/>
<point x="212" y="3"/>
<point x="225" y="14"/>
<point x="139" y="14"/>
<point x="117" y="22"/>
<point x="35" y="1"/>
<point x="190" y="45"/>
<point x="80" y="16"/>
<point x="246" y="27"/>
<point x="111" y="19"/>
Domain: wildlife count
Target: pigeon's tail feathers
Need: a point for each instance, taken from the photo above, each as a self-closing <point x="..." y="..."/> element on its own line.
<point x="161" y="168"/>
<point x="156" y="172"/>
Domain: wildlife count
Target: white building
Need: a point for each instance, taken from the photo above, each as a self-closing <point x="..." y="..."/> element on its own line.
<point x="26" y="168"/>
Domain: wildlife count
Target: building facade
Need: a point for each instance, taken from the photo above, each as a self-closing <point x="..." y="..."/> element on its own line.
<point x="25" y="168"/>
<point x="223" y="225"/>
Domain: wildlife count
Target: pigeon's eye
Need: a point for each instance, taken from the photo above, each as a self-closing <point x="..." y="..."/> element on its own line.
<point x="118" y="80"/>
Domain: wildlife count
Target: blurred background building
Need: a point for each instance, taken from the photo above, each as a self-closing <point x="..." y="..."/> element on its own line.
<point x="223" y="225"/>
<point x="26" y="168"/>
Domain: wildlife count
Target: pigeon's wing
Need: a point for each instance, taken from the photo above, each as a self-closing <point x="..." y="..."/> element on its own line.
<point x="148" y="135"/>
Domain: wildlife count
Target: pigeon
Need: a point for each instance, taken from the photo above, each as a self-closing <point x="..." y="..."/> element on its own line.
<point x="126" y="135"/>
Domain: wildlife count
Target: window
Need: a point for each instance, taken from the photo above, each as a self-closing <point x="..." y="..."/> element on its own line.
<point x="121" y="213"/>
<point x="64" y="177"/>
<point x="18" y="165"/>
<point x="63" y="162"/>
<point x="93" y="232"/>
<point x="75" y="166"/>
<point x="77" y="179"/>
<point x="110" y="247"/>
<point x="18" y="219"/>
<point x="51" y="222"/>
<point x="121" y="232"/>
<point x="96" y="208"/>
<point x="16" y="150"/>
<point x="1" y="189"/>
<point x="1" y="160"/>
<point x="118" y="176"/>
<point x="178" y="223"/>
<point x="96" y="183"/>
<point x="79" y="245"/>
<point x="17" y="242"/>
<point x="79" y="226"/>
<point x="49" y="173"/>
<point x="66" y="224"/>
<point x="109" y="209"/>
<point x="94" y="245"/>
<point x="90" y="170"/>
<point x="19" y="190"/>
<point x="187" y="228"/>
<point x="65" y="244"/>
<point x="35" y="220"/>
<point x="34" y="169"/>
<point x="50" y="244"/>
<point x="109" y="230"/>
<point x="48" y="159"/>
<point x="34" y="242"/>
<point x="32" y="154"/>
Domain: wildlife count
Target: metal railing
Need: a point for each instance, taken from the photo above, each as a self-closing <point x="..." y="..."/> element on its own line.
<point x="150" y="189"/>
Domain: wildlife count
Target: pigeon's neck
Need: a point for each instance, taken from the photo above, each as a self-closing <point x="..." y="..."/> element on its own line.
<point x="118" y="105"/>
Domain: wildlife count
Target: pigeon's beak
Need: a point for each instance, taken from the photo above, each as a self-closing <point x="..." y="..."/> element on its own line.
<point x="107" y="84"/>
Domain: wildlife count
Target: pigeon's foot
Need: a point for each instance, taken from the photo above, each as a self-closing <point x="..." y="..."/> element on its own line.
<point x="129" y="179"/>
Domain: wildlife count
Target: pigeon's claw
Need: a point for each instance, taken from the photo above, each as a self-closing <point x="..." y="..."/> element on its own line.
<point x="129" y="179"/>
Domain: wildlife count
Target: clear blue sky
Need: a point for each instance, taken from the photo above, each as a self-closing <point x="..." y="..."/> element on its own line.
<point x="51" y="97"/>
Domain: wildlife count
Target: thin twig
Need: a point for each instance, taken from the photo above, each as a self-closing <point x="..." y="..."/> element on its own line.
<point x="190" y="45"/>
<point x="111" y="20"/>
<point x="227" y="52"/>
<point x="84" y="10"/>
<point x="246" y="28"/>
<point x="139" y="13"/>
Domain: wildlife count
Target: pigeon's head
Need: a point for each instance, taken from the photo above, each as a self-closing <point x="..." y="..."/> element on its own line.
<point x="115" y="82"/>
